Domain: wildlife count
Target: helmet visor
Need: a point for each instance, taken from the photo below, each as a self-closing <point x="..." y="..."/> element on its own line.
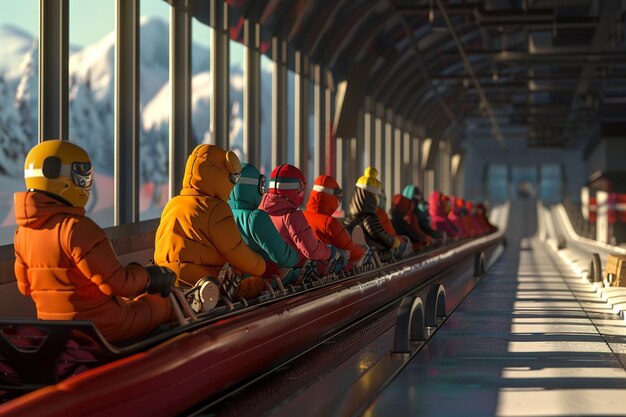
<point x="262" y="184"/>
<point x="82" y="174"/>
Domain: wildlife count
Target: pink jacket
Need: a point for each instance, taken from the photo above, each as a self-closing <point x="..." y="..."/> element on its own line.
<point x="456" y="218"/>
<point x="293" y="227"/>
<point x="439" y="219"/>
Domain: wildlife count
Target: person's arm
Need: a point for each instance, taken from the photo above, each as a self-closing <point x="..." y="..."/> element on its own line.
<point x="90" y="249"/>
<point x="303" y="237"/>
<point x="372" y="226"/>
<point x="21" y="273"/>
<point x="264" y="233"/>
<point x="225" y="236"/>
<point x="342" y="239"/>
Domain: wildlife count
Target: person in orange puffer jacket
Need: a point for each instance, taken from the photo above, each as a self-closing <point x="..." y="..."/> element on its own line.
<point x="323" y="202"/>
<point x="197" y="234"/>
<point x="65" y="262"/>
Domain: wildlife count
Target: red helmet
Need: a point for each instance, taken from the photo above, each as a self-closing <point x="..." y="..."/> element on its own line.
<point x="289" y="182"/>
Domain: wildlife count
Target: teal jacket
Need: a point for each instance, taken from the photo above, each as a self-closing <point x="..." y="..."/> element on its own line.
<point x="255" y="225"/>
<point x="420" y="211"/>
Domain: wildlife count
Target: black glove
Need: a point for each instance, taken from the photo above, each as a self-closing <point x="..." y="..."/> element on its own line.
<point x="160" y="281"/>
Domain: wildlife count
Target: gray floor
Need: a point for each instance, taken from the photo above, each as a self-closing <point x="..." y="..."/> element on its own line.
<point x="531" y="340"/>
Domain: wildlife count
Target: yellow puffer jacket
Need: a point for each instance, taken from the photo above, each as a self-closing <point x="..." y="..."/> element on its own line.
<point x="197" y="234"/>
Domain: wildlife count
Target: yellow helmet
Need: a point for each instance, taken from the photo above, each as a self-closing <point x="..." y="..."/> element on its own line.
<point x="61" y="168"/>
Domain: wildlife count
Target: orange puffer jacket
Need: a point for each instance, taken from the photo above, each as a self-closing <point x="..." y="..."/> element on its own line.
<point x="65" y="262"/>
<point x="319" y="213"/>
<point x="198" y="234"/>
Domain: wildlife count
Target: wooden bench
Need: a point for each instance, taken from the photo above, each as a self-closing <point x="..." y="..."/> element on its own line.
<point x="132" y="243"/>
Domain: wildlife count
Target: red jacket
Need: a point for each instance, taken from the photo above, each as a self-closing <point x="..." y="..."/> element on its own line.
<point x="329" y="230"/>
<point x="65" y="262"/>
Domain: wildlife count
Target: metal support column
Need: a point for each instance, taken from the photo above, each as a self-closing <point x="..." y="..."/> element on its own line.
<point x="279" y="102"/>
<point x="397" y="159"/>
<point x="252" y="93"/>
<point x="359" y="146"/>
<point x="180" y="91"/>
<point x="126" y="169"/>
<point x="388" y="161"/>
<point x="53" y="103"/>
<point x="220" y="74"/>
<point x="379" y="149"/>
<point x="301" y="112"/>
<point x="368" y="133"/>
<point x="319" y="130"/>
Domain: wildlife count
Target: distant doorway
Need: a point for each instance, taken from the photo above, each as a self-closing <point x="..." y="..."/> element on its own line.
<point x="524" y="181"/>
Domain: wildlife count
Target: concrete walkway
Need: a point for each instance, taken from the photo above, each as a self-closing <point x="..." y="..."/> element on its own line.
<point x="531" y="340"/>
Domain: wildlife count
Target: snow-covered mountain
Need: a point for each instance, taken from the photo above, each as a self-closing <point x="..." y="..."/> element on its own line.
<point x="91" y="109"/>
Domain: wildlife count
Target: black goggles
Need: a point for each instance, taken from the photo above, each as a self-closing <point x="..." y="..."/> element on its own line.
<point x="82" y="174"/>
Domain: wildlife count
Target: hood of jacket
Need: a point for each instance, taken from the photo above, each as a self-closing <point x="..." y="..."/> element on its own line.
<point x="276" y="205"/>
<point x="409" y="191"/>
<point x="435" y="204"/>
<point x="33" y="209"/>
<point x="321" y="202"/>
<point x="402" y="205"/>
<point x="207" y="172"/>
<point x="245" y="194"/>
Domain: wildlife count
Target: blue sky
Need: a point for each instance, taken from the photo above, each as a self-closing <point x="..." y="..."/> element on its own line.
<point x="90" y="20"/>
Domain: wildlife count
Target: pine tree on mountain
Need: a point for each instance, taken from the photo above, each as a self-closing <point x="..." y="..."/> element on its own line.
<point x="14" y="143"/>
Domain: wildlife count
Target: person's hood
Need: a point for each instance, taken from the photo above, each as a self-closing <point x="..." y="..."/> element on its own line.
<point x="402" y="205"/>
<point x="207" y="172"/>
<point x="454" y="205"/>
<point x="33" y="209"/>
<point x="409" y="191"/>
<point x="276" y="205"/>
<point x="245" y="194"/>
<point x="435" y="204"/>
<point x="321" y="201"/>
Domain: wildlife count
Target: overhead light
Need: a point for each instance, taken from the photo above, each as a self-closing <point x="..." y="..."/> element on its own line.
<point x="455" y="163"/>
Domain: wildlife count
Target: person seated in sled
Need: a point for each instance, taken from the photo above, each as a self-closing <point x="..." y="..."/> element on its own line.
<point x="456" y="216"/>
<point x="197" y="234"/>
<point x="284" y="195"/>
<point x="362" y="212"/>
<point x="481" y="215"/>
<point x="323" y="202"/>
<point x="256" y="227"/>
<point x="65" y="262"/>
<point x="405" y="222"/>
<point x="420" y="210"/>
<point x="439" y="207"/>
<point x="385" y="221"/>
<point x="467" y="211"/>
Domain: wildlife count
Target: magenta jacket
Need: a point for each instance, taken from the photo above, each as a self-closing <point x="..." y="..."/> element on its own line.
<point x="293" y="227"/>
<point x="439" y="219"/>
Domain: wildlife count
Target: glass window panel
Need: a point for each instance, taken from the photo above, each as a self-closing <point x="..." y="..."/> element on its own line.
<point x="201" y="35"/>
<point x="551" y="183"/>
<point x="235" y="141"/>
<point x="267" y="68"/>
<point x="19" y="37"/>
<point x="91" y="96"/>
<point x="154" y="98"/>
<point x="497" y="183"/>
